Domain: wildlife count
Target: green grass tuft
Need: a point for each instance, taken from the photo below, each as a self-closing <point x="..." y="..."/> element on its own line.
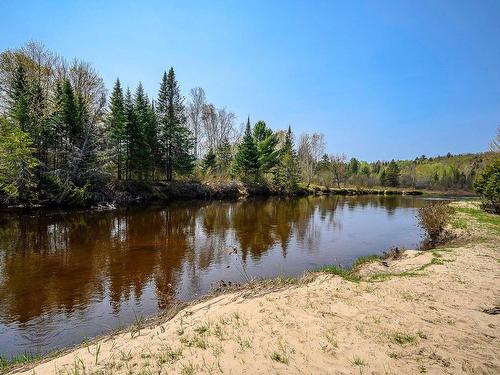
<point x="7" y="363"/>
<point x="403" y="338"/>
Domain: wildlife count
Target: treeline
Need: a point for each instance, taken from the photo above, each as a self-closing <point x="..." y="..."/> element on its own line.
<point x="64" y="141"/>
<point x="440" y="173"/>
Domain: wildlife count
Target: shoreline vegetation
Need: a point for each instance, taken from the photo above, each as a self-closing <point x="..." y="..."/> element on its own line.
<point x="163" y="193"/>
<point x="68" y="141"/>
<point x="409" y="311"/>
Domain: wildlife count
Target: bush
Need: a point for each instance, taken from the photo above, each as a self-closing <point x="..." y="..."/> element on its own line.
<point x="433" y="219"/>
<point x="487" y="184"/>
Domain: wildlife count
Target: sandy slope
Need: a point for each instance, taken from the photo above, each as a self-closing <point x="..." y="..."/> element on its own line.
<point x="428" y="320"/>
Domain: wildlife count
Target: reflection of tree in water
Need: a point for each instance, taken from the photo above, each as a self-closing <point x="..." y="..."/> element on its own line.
<point x="253" y="225"/>
<point x="60" y="262"/>
<point x="176" y="235"/>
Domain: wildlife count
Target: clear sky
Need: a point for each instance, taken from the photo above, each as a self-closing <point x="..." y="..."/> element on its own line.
<point x="381" y="79"/>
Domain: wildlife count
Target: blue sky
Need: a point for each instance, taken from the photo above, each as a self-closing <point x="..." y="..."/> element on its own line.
<point x="381" y="79"/>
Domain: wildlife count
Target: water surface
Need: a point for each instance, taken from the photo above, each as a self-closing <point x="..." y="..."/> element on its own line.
<point x="65" y="276"/>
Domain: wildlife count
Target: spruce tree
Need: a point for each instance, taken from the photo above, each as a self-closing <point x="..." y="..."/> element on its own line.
<point x="117" y="124"/>
<point x="134" y="138"/>
<point x="151" y="137"/>
<point x="176" y="143"/>
<point x="286" y="176"/>
<point x="246" y="160"/>
<point x="143" y="155"/>
<point x="209" y="163"/>
<point x="392" y="174"/>
<point x="19" y="98"/>
<point x="266" y="145"/>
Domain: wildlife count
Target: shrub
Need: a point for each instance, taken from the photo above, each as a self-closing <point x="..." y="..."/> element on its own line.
<point x="487" y="184"/>
<point x="433" y="219"/>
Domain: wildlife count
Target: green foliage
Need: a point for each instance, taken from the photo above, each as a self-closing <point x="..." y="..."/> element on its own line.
<point x="286" y="176"/>
<point x="383" y="178"/>
<point x="6" y="364"/>
<point x="17" y="162"/>
<point x="487" y="184"/>
<point x="209" y="163"/>
<point x="146" y="142"/>
<point x="266" y="146"/>
<point x="19" y="98"/>
<point x="392" y="174"/>
<point x="134" y="138"/>
<point x="175" y="139"/>
<point x="246" y="161"/>
<point x="353" y="166"/>
<point x="117" y="126"/>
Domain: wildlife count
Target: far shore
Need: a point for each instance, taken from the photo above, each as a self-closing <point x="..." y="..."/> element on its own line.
<point x="135" y="193"/>
<point x="424" y="312"/>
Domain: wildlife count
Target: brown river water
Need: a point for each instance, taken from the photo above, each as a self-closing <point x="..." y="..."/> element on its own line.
<point x="67" y="276"/>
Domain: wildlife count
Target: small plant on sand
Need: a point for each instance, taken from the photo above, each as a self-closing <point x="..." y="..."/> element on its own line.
<point x="279" y="357"/>
<point x="358" y="361"/>
<point x="393" y="253"/>
<point x="433" y="219"/>
<point x="403" y="339"/>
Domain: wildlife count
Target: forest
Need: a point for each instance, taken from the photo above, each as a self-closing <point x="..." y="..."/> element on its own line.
<point x="64" y="140"/>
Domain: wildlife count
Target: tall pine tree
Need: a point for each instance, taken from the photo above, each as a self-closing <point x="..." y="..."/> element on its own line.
<point x="117" y="128"/>
<point x="175" y="138"/>
<point x="134" y="138"/>
<point x="246" y="160"/>
<point x="19" y="98"/>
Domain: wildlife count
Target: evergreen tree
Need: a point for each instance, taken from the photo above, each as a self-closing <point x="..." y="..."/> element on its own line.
<point x="134" y="136"/>
<point x="19" y="99"/>
<point x="151" y="138"/>
<point x="175" y="138"/>
<point x="286" y="176"/>
<point x="383" y="178"/>
<point x="392" y="174"/>
<point x="266" y="145"/>
<point x="353" y="166"/>
<point x="143" y="151"/>
<point x="117" y="124"/>
<point x="224" y="156"/>
<point x="246" y="160"/>
<point x="70" y="113"/>
<point x="209" y="163"/>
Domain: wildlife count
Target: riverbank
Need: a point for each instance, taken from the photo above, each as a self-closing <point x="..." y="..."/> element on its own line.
<point x="129" y="193"/>
<point x="425" y="312"/>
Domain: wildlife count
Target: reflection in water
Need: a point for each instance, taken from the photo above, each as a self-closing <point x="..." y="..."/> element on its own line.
<point x="66" y="276"/>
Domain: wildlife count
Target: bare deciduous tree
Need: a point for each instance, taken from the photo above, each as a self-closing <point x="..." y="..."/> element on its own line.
<point x="218" y="125"/>
<point x="310" y="150"/>
<point x="197" y="101"/>
<point x="495" y="143"/>
<point x="318" y="145"/>
<point x="306" y="160"/>
<point x="338" y="165"/>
